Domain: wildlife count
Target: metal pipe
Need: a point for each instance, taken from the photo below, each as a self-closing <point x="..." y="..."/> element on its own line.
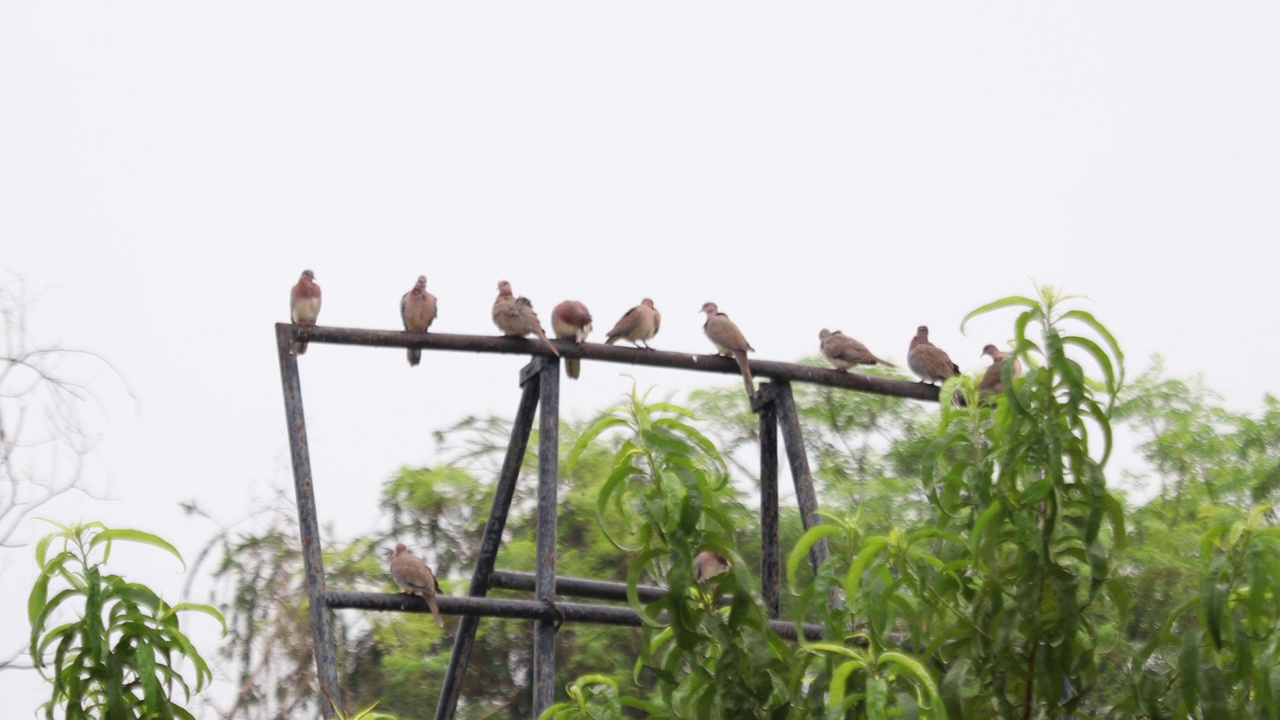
<point x="806" y="497"/>
<point x="615" y="354"/>
<point x="770" y="558"/>
<point x="544" y="629"/>
<point x="491" y="539"/>
<point x="304" y="493"/>
<point x="524" y="609"/>
<point x="583" y="587"/>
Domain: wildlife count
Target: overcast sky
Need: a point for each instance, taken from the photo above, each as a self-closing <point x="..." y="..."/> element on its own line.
<point x="167" y="171"/>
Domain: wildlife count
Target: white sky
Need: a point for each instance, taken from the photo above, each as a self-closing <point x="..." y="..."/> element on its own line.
<point x="167" y="170"/>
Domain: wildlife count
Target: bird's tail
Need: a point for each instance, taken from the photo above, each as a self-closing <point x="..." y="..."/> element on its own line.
<point x="572" y="366"/>
<point x="885" y="363"/>
<point x="611" y="340"/>
<point x="741" y="357"/>
<point x="537" y="328"/>
<point x="415" y="356"/>
<point x="435" y="610"/>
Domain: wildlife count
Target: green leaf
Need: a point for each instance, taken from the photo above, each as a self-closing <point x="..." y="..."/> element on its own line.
<point x="137" y="536"/>
<point x="801" y="550"/>
<point x="1011" y="301"/>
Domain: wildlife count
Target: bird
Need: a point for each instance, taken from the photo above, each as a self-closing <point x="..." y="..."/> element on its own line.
<point x="991" y="382"/>
<point x="928" y="360"/>
<point x="413" y="576"/>
<point x="637" y="325"/>
<point x="515" y="316"/>
<point x="570" y="320"/>
<point x="418" y="311"/>
<point x="304" y="305"/>
<point x="708" y="564"/>
<point x="728" y="340"/>
<point x="844" y="352"/>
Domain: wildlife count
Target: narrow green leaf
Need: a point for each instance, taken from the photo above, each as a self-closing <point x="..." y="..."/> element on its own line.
<point x="1011" y="301"/>
<point x="139" y="537"/>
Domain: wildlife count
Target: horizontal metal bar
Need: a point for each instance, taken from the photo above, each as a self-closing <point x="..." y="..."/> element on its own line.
<point x="582" y="587"/>
<point x="615" y="354"/>
<point x="522" y="609"/>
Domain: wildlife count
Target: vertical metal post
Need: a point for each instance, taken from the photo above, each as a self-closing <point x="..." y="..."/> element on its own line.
<point x="806" y="498"/>
<point x="769" y="541"/>
<point x="313" y="560"/>
<point x="544" y="631"/>
<point x="490" y="541"/>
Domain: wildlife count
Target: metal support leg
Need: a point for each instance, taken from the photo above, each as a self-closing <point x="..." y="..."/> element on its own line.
<point x="769" y="554"/>
<point x="805" y="495"/>
<point x="491" y="539"/>
<point x="544" y="630"/>
<point x="313" y="561"/>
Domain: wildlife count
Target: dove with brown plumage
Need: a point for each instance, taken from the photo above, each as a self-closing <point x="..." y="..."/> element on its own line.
<point x="928" y="360"/>
<point x="304" y="305"/>
<point x="729" y="340"/>
<point x="844" y="352"/>
<point x="638" y="325"/>
<point x="417" y="311"/>
<point x="992" y="383"/>
<point x="708" y="564"/>
<point x="413" y="576"/>
<point x="570" y="320"/>
<point x="515" y="317"/>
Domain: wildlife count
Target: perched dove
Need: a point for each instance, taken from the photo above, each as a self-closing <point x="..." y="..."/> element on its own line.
<point x="304" y="304"/>
<point x="927" y="360"/>
<point x="728" y="340"/>
<point x="844" y="352"/>
<point x="417" y="310"/>
<point x="515" y="316"/>
<point x="638" y="325"/>
<point x="570" y="320"/>
<point x="709" y="563"/>
<point x="991" y="382"/>
<point x="414" y="577"/>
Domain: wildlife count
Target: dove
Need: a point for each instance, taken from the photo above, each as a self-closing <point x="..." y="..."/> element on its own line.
<point x="927" y="360"/>
<point x="708" y="564"/>
<point x="844" y="352"/>
<point x="570" y="320"/>
<point x="413" y="576"/>
<point x="637" y="325"/>
<point x="728" y="340"/>
<point x="991" y="382"/>
<point x="417" y="310"/>
<point x="515" y="316"/>
<point x="304" y="304"/>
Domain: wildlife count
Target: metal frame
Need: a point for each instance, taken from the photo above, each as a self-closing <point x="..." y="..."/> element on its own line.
<point x="540" y="379"/>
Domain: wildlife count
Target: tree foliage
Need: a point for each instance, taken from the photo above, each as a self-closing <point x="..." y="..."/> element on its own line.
<point x="118" y="658"/>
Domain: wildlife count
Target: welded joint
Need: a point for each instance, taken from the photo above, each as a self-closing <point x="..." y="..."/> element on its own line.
<point x="530" y="371"/>
<point x="765" y="394"/>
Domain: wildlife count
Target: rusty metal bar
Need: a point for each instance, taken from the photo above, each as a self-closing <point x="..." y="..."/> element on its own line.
<point x="312" y="558"/>
<point x="491" y="539"/>
<point x="616" y="354"/>
<point x="536" y="610"/>
<point x="583" y="587"/>
<point x="770" y="556"/>
<point x="806" y="497"/>
<point x="544" y="629"/>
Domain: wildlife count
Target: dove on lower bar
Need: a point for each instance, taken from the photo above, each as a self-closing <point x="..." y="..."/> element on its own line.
<point x="928" y="360"/>
<point x="992" y="383"/>
<point x="570" y="320"/>
<point x="709" y="563"/>
<point x="638" y="325"/>
<point x="729" y="340"/>
<point x="413" y="576"/>
<point x="304" y="305"/>
<point x="417" y="311"/>
<point x="515" y="316"/>
<point x="844" y="352"/>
